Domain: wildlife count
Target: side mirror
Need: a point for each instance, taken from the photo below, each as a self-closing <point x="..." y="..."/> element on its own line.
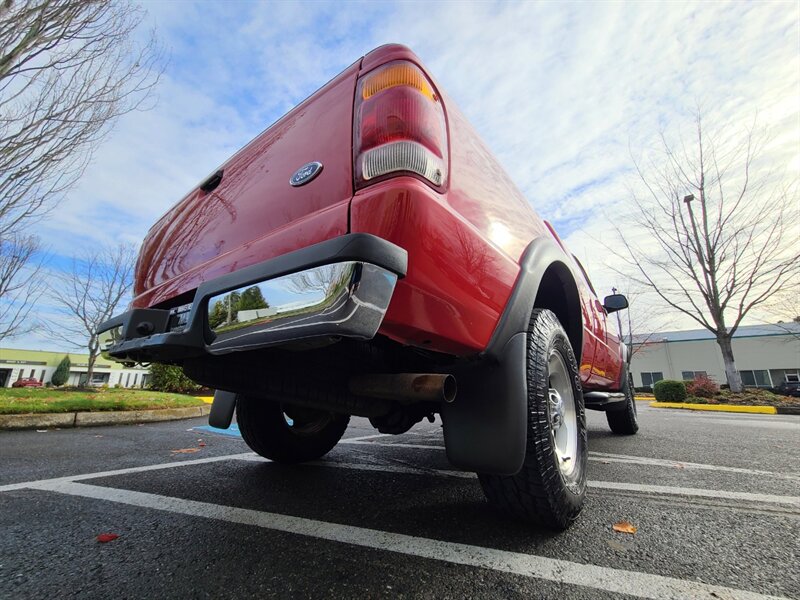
<point x="614" y="303"/>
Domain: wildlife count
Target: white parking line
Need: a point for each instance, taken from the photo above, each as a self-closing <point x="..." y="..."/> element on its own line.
<point x="400" y="444"/>
<point x="618" y="458"/>
<point x="379" y="467"/>
<point x="249" y="456"/>
<point x="353" y="440"/>
<point x="699" y="492"/>
<point x="661" y="462"/>
<point x="601" y="485"/>
<point x="182" y="463"/>
<point x="617" y="581"/>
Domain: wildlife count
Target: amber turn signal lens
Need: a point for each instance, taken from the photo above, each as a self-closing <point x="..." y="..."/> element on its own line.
<point x="395" y="75"/>
<point x="399" y="126"/>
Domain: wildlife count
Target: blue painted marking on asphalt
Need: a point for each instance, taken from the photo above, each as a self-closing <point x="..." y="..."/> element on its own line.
<point x="232" y="431"/>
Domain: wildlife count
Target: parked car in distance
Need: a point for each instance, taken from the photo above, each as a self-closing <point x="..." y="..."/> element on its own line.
<point x="788" y="388"/>
<point x="27" y="382"/>
<point x="367" y="255"/>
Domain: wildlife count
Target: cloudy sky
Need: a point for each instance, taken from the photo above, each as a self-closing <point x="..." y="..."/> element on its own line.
<point x="563" y="93"/>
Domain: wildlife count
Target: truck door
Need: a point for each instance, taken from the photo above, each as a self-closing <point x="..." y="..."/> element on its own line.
<point x="602" y="363"/>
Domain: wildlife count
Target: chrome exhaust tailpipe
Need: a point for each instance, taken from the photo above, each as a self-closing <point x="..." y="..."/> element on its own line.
<point x="406" y="388"/>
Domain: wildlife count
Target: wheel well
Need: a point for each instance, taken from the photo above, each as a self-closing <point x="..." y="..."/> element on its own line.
<point x="559" y="293"/>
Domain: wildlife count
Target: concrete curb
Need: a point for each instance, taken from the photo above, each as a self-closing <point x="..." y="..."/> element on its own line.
<point x="736" y="408"/>
<point x="94" y="419"/>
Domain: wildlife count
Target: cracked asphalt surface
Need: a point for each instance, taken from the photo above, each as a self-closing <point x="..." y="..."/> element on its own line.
<point x="181" y="534"/>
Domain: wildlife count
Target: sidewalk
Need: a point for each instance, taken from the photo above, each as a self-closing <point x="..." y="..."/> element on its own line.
<point x="94" y="419"/>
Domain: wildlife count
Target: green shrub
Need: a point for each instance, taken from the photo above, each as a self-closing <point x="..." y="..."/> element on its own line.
<point x="643" y="389"/>
<point x="61" y="374"/>
<point x="668" y="390"/>
<point x="170" y="378"/>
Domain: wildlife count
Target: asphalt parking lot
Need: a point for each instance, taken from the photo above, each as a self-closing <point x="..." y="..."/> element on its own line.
<point x="715" y="498"/>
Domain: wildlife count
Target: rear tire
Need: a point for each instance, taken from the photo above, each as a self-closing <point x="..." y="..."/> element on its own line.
<point x="550" y="488"/>
<point x="288" y="434"/>
<point x="625" y="421"/>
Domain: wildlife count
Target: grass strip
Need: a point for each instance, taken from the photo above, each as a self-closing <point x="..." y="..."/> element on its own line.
<point x="35" y="400"/>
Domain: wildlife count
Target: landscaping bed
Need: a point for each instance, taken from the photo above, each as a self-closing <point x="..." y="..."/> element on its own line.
<point x="749" y="397"/>
<point x="703" y="390"/>
<point x="59" y="400"/>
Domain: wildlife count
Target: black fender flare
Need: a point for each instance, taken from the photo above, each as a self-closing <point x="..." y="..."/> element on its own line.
<point x="485" y="428"/>
<point x="542" y="255"/>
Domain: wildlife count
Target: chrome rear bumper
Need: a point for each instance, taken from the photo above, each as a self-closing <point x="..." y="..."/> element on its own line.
<point x="346" y="299"/>
<point x="339" y="288"/>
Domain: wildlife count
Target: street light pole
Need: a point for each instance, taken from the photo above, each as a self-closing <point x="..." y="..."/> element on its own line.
<point x="688" y="199"/>
<point x="619" y="320"/>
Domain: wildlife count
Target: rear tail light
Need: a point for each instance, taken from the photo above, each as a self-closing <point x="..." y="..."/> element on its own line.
<point x="399" y="126"/>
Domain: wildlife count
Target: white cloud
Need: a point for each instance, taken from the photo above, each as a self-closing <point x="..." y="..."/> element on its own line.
<point x="558" y="91"/>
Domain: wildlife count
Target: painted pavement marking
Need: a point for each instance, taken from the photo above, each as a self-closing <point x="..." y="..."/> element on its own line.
<point x="170" y="465"/>
<point x="616" y="581"/>
<point x="601" y="485"/>
<point x="618" y="458"/>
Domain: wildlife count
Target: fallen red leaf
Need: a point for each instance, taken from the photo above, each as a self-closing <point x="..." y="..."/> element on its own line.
<point x="185" y="451"/>
<point x="202" y="444"/>
<point x="624" y="527"/>
<point x="106" y="537"/>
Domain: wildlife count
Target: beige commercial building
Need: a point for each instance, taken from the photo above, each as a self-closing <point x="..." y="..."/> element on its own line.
<point x="40" y="365"/>
<point x="766" y="355"/>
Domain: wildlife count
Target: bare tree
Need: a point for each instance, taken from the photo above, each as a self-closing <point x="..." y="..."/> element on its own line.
<point x="638" y="325"/>
<point x="68" y="70"/>
<point x="89" y="295"/>
<point x="786" y="306"/>
<point x="783" y="311"/>
<point x="323" y="279"/>
<point x="721" y="234"/>
<point x="20" y="283"/>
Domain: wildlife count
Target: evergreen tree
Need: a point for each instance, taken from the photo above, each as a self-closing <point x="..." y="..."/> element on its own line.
<point x="224" y="311"/>
<point x="170" y="378"/>
<point x="61" y="374"/>
<point x="252" y="298"/>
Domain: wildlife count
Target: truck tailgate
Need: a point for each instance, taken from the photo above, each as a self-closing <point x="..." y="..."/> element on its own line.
<point x="254" y="213"/>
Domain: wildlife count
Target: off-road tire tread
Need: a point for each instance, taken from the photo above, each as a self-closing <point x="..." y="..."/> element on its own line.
<point x="263" y="427"/>
<point x="537" y="493"/>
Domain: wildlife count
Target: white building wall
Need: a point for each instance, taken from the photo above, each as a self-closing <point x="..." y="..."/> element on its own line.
<point x="123" y="377"/>
<point x="776" y="352"/>
<point x="24" y="371"/>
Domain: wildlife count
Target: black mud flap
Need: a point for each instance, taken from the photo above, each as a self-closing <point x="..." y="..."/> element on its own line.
<point x="222" y="409"/>
<point x="485" y="428"/>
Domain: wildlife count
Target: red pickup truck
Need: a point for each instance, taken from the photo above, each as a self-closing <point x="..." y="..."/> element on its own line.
<point x="367" y="255"/>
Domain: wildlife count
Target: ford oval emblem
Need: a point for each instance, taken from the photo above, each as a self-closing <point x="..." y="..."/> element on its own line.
<point x="306" y="173"/>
